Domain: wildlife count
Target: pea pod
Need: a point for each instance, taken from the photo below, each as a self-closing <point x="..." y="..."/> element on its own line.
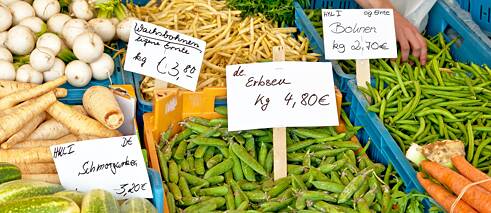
<point x="174" y="189"/>
<point x="219" y="168"/>
<point x="328" y="186"/>
<point x="183" y="186"/>
<point x="180" y="151"/>
<point x="256" y="196"/>
<point x="199" y="166"/>
<point x="173" y="172"/>
<point x="332" y="167"/>
<point x="214" y="161"/>
<point x="352" y="187"/>
<point x="280" y="186"/>
<point x="207" y="205"/>
<point x="193" y="180"/>
<point x="213" y="180"/>
<point x="208" y="142"/>
<point x="236" y="168"/>
<point x="218" y="191"/>
<point x="317" y="195"/>
<point x="242" y="154"/>
<point x="276" y="205"/>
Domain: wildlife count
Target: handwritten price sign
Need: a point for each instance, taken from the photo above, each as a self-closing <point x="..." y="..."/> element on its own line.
<point x="113" y="164"/>
<point x="280" y="94"/>
<point x="359" y="34"/>
<point x="164" y="54"/>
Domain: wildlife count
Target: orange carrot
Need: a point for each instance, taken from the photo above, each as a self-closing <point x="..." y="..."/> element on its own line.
<point x="23" y="95"/>
<point x="442" y="196"/>
<point x="37" y="168"/>
<point x="107" y="111"/>
<point x="78" y="123"/>
<point x="472" y="173"/>
<point x="50" y="178"/>
<point x="31" y="155"/>
<point x="476" y="196"/>
<point x="9" y="87"/>
<point x="24" y="132"/>
<point x="19" y="116"/>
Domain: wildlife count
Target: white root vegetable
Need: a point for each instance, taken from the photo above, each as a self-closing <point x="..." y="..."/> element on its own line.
<point x="72" y="29"/>
<point x="36" y="77"/>
<point x="50" y="41"/>
<point x="78" y="73"/>
<point x="104" y="28"/>
<point x="46" y="8"/>
<point x="35" y="24"/>
<point x="56" y="23"/>
<point x="21" y="10"/>
<point x="20" y="40"/>
<point x="88" y="47"/>
<point x="49" y="130"/>
<point x="24" y="73"/>
<point x="6" y="55"/>
<point x="42" y="59"/>
<point x="7" y="2"/>
<point x="3" y="38"/>
<point x="56" y="71"/>
<point x="81" y="9"/>
<point x="5" y="18"/>
<point x="103" y="67"/>
<point x="7" y="70"/>
<point x="124" y="28"/>
<point x="114" y="21"/>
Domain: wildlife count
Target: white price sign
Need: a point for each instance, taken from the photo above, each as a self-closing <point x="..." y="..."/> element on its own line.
<point x="359" y="33"/>
<point x="280" y="94"/>
<point x="113" y="164"/>
<point x="164" y="54"/>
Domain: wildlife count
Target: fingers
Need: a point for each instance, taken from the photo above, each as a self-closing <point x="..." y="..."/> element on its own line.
<point x="424" y="49"/>
<point x="404" y="44"/>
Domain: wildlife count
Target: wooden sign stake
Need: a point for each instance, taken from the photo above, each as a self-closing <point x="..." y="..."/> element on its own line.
<point x="363" y="74"/>
<point x="279" y="134"/>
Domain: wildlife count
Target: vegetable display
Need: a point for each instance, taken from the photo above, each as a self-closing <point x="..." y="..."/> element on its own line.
<point x="22" y="196"/>
<point x="32" y="120"/>
<point x="41" y="40"/>
<point x="443" y="99"/>
<point x="230" y="39"/>
<point x="207" y="168"/>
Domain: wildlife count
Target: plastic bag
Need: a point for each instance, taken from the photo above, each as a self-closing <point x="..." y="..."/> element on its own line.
<point x="416" y="11"/>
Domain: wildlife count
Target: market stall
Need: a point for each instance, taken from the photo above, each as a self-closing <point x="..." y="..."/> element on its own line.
<point x="242" y="106"/>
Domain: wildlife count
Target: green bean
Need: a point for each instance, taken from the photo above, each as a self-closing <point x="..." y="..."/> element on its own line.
<point x="480" y="147"/>
<point x="470" y="141"/>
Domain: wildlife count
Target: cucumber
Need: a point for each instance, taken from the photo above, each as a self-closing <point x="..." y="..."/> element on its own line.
<point x="99" y="201"/>
<point x="137" y="205"/>
<point x="41" y="204"/>
<point x="9" y="172"/>
<point x="75" y="196"/>
<point x="18" y="189"/>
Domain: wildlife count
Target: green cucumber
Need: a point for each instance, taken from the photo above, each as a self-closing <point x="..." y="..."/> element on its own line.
<point x="17" y="189"/>
<point x="137" y="205"/>
<point x="41" y="204"/>
<point x="9" y="172"/>
<point x="99" y="201"/>
<point x="76" y="196"/>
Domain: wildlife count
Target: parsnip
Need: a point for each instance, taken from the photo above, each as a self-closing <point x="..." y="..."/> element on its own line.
<point x="37" y="168"/>
<point x="24" y="132"/>
<point x="107" y="111"/>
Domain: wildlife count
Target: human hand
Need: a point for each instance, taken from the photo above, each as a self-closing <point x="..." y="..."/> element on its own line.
<point x="409" y="39"/>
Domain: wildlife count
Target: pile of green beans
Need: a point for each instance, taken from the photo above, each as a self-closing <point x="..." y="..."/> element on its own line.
<point x="443" y="99"/>
<point x="205" y="168"/>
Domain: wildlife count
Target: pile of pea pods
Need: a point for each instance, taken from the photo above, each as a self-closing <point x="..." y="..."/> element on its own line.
<point x="205" y="168"/>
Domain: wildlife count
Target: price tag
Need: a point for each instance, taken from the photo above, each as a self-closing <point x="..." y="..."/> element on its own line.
<point x="359" y="34"/>
<point x="280" y="94"/>
<point x="113" y="164"/>
<point x="164" y="54"/>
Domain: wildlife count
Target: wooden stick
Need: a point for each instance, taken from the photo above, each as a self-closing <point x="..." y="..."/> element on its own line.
<point x="279" y="134"/>
<point x="363" y="74"/>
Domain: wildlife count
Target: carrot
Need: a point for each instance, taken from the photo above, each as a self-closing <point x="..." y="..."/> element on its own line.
<point x="31" y="155"/>
<point x="466" y="169"/>
<point x="47" y="143"/>
<point x="20" y="116"/>
<point x="477" y="197"/>
<point x="107" y="111"/>
<point x="9" y="87"/>
<point x="78" y="123"/>
<point x="50" y="178"/>
<point x="442" y="196"/>
<point x="24" y="132"/>
<point x="37" y="168"/>
<point x="23" y="95"/>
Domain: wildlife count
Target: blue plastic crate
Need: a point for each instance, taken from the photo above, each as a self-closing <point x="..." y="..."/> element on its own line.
<point x="480" y="11"/>
<point x="119" y="76"/>
<point x="157" y="190"/>
<point x="442" y="18"/>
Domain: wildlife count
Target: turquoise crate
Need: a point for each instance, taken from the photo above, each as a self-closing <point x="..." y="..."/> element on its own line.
<point x="119" y="76"/>
<point x="157" y="190"/>
<point x="480" y="11"/>
<point x="442" y="18"/>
